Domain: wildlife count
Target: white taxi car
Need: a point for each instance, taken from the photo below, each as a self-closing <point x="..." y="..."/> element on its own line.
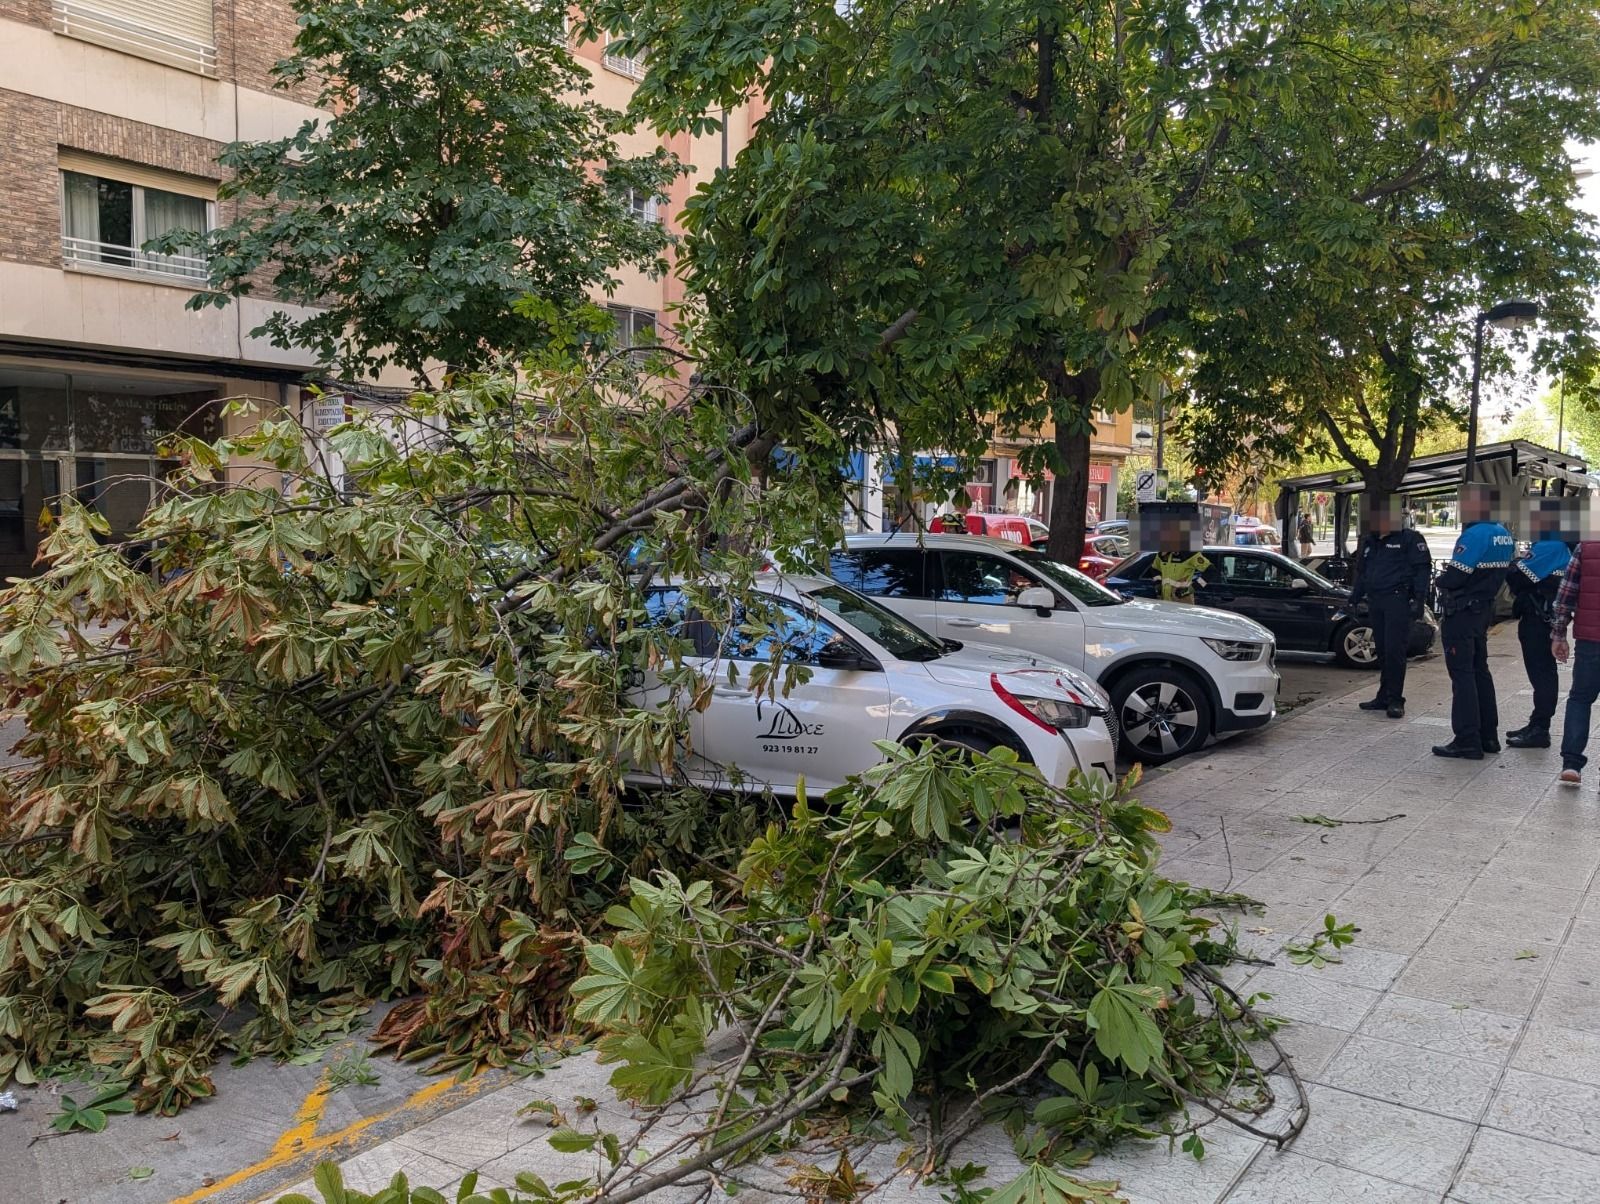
<point x="1177" y="675"/>
<point x="873" y="676"/>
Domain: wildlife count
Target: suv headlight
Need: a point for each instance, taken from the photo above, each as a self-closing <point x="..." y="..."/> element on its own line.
<point x="1057" y="712"/>
<point x="1236" y="650"/>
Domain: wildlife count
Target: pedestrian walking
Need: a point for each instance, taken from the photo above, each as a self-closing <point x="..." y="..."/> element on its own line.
<point x="1535" y="580"/>
<point x="1581" y="609"/>
<point x="1307" y="535"/>
<point x="1392" y="572"/>
<point x="1467" y="587"/>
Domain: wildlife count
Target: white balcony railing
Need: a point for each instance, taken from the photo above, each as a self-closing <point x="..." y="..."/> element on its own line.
<point x="84" y="251"/>
<point x="633" y="66"/>
<point x="90" y="24"/>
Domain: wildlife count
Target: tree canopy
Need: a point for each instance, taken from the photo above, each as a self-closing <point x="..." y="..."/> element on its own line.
<point x="1025" y="211"/>
<point x="459" y="169"/>
<point x="1430" y="180"/>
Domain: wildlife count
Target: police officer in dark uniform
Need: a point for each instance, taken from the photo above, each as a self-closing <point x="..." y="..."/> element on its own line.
<point x="1467" y="585"/>
<point x="1534" y="580"/>
<point x="1392" y="571"/>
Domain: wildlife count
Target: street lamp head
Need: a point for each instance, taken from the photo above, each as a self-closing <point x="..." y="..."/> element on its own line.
<point x="1144" y="435"/>
<point x="1510" y="315"/>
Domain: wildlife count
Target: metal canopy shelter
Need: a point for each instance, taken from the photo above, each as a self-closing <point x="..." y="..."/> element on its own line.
<point x="1515" y="462"/>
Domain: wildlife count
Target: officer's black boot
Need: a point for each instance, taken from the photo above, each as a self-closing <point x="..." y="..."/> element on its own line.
<point x="1465" y="752"/>
<point x="1379" y="703"/>
<point x="1532" y="736"/>
<point x="1396" y="709"/>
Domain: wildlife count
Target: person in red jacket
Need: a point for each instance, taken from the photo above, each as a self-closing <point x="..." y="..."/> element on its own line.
<point x="1581" y="608"/>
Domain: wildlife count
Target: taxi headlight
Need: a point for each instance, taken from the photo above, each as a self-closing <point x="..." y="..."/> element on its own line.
<point x="1236" y="650"/>
<point x="1057" y="712"/>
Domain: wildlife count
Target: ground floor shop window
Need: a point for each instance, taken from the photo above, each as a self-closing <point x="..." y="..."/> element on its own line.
<point x="92" y="436"/>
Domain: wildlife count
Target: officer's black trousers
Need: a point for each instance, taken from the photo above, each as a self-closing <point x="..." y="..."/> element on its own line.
<point x="1391" y="627"/>
<point x="1473" y="714"/>
<point x="1534" y="635"/>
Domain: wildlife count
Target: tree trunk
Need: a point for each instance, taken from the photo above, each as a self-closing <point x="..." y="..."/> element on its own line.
<point x="1069" y="501"/>
<point x="1071" y="397"/>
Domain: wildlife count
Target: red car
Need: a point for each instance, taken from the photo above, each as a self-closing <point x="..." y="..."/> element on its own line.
<point x="1101" y="554"/>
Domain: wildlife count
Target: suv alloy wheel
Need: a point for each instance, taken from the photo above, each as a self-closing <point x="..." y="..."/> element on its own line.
<point x="1163" y="714"/>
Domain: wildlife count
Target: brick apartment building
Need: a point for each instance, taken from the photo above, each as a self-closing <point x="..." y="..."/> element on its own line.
<point x="114" y="112"/>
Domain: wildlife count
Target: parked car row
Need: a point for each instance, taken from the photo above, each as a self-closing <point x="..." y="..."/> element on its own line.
<point x="986" y="642"/>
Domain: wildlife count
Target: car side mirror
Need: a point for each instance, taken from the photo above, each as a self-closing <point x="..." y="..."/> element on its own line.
<point x="1298" y="583"/>
<point x="1036" y="596"/>
<point x="846" y="658"/>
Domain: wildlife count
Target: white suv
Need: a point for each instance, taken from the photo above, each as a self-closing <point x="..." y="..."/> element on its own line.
<point x="1176" y="674"/>
<point x="874" y="677"/>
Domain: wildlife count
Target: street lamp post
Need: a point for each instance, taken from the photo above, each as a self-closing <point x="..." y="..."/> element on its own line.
<point x="1508" y="315"/>
<point x="1561" y="418"/>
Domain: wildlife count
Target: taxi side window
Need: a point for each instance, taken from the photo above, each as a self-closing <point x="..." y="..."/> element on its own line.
<point x="797" y="635"/>
<point x="881" y="572"/>
<point x="670" y="610"/>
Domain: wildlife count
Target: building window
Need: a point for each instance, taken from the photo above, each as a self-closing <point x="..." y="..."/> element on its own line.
<point x="635" y="327"/>
<point x="633" y="66"/>
<point x="178" y="33"/>
<point x="107" y="222"/>
<point x="645" y="208"/>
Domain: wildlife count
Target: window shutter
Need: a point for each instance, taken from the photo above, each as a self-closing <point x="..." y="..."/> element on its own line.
<point x="137" y="173"/>
<point x="177" y="32"/>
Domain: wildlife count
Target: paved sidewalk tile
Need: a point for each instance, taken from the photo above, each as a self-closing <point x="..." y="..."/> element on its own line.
<point x="1443" y="1028"/>
<point x="1152" y="1173"/>
<point x="1571" y="1003"/>
<point x="1293" y="1178"/>
<point x="1504" y="985"/>
<point x="1391" y="1142"/>
<point x="1550" y="1109"/>
<point x="1374" y="969"/>
<point x="1415" y="1077"/>
<point x="1506" y="1169"/>
<point x="1568" y="1053"/>
<point x="1302" y="997"/>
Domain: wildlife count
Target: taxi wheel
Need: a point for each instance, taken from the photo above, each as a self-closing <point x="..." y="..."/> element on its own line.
<point x="1163" y="713"/>
<point x="972" y="742"/>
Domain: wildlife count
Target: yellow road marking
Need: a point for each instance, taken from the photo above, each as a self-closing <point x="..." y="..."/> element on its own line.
<point x="300" y="1138"/>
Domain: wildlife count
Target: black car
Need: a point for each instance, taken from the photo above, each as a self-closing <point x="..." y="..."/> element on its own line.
<point x="1306" y="611"/>
<point x="1337" y="569"/>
